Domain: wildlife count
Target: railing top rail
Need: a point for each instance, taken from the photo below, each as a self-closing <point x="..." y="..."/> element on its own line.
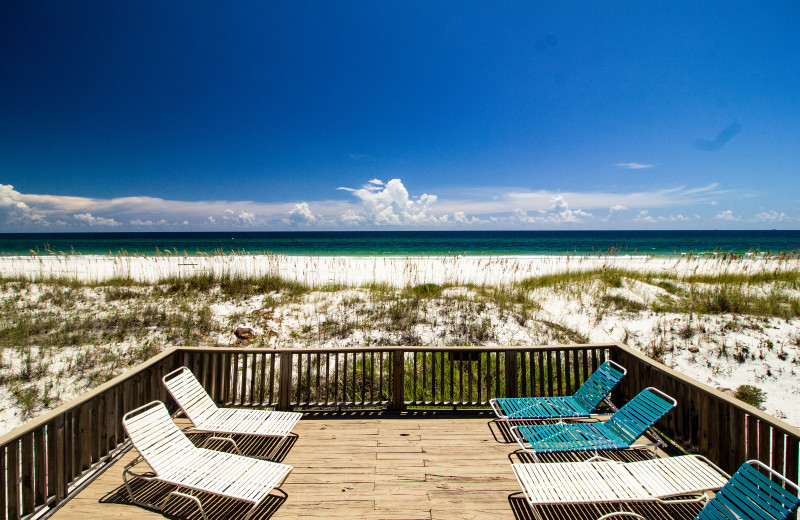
<point x="713" y="392"/>
<point x="390" y="348"/>
<point x="46" y="417"/>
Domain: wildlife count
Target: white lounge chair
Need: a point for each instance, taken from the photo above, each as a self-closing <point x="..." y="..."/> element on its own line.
<point x="604" y="480"/>
<point x="749" y="494"/>
<point x="176" y="461"/>
<point x="206" y="416"/>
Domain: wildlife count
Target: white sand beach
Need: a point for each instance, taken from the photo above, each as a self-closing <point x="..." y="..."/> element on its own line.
<point x="347" y="300"/>
<point x="395" y="271"/>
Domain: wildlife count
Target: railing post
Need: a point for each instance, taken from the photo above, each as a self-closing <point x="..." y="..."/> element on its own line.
<point x="511" y="373"/>
<point x="285" y="382"/>
<point x="398" y="381"/>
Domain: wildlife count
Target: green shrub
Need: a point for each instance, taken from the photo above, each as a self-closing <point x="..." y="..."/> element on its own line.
<point x="751" y="395"/>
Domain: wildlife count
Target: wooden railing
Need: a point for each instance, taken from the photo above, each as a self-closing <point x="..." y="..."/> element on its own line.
<point x="709" y="422"/>
<point x="391" y="377"/>
<point x="49" y="459"/>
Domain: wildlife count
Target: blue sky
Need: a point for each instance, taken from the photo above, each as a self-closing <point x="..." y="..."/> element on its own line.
<point x="410" y="115"/>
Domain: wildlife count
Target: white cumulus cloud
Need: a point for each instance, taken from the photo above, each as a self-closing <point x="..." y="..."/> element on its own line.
<point x="389" y="204"/>
<point x="727" y="215"/>
<point x="558" y="213"/>
<point x="770" y="216"/>
<point x="301" y="215"/>
<point x="15" y="212"/>
<point x="91" y="220"/>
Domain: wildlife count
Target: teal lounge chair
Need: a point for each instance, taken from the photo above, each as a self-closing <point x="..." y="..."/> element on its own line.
<point x="594" y="391"/>
<point x="750" y="494"/>
<point x="619" y="432"/>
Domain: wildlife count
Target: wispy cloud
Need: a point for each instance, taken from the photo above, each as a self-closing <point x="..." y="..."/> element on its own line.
<point x="722" y="138"/>
<point x="634" y="165"/>
<point x="376" y="204"/>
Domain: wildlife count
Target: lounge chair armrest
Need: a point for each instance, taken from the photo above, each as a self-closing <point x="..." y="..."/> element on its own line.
<point x="498" y="410"/>
<point x="761" y="465"/>
<point x="622" y="513"/>
<point x="617" y="366"/>
<point x="228" y="439"/>
<point x="661" y="394"/>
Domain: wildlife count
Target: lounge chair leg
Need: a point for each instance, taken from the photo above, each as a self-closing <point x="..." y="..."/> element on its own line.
<point x="128" y="471"/>
<point x="190" y="497"/>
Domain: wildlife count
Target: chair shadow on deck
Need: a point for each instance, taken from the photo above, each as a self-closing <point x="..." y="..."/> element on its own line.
<point x="179" y="508"/>
<point x="501" y="429"/>
<point x="271" y="448"/>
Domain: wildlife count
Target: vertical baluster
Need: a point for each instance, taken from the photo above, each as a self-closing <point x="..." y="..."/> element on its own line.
<point x="363" y="378"/>
<point x="327" y="377"/>
<point x="424" y="377"/>
<point x="433" y="377"/>
<point x="12" y="480"/>
<point x="541" y="373"/>
<point x="253" y="368"/>
<point x="85" y="439"/>
<point x="792" y="458"/>
<point x="764" y="442"/>
<point x="336" y="379"/>
<point x="243" y="391"/>
<point x="778" y="451"/>
<point x="40" y="465"/>
<point x="3" y="482"/>
<point x="235" y="384"/>
<point x="344" y="379"/>
<point x="497" y="379"/>
<point x="414" y="379"/>
<point x="550" y="373"/>
<point x="298" y="388"/>
<point x="461" y="379"/>
<point x="450" y="362"/>
<point x="372" y="377"/>
<point x="27" y="473"/>
<point x="271" y="379"/>
<point x="469" y="376"/>
<point x="380" y="384"/>
<point x="480" y="378"/>
<point x="559" y="374"/>
<point x="452" y="355"/>
<point x="523" y="371"/>
<point x="585" y="361"/>
<point x="264" y="382"/>
<point x="576" y="370"/>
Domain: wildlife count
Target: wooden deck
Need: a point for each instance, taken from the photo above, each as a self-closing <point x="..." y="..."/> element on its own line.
<point x="371" y="466"/>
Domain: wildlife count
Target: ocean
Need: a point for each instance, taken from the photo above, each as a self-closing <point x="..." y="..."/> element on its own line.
<point x="407" y="243"/>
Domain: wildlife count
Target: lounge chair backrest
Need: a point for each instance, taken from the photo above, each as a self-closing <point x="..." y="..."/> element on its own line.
<point x="599" y="385"/>
<point x="189" y="394"/>
<point x="640" y="413"/>
<point x="750" y="494"/>
<point x="155" y="436"/>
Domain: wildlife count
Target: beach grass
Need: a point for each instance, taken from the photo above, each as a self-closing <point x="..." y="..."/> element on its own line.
<point x="61" y="330"/>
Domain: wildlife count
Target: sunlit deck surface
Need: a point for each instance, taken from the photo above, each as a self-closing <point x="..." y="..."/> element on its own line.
<point x="420" y="465"/>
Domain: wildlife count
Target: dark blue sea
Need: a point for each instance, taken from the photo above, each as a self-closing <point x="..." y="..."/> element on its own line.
<point x="408" y="243"/>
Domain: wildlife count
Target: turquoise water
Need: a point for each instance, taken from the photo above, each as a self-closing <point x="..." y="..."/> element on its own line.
<point x="402" y="243"/>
